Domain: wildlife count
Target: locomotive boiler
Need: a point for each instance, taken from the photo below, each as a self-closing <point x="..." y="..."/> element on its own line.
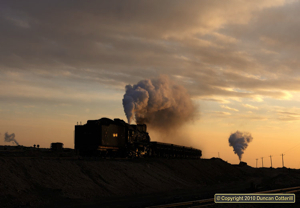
<point x="116" y="138"/>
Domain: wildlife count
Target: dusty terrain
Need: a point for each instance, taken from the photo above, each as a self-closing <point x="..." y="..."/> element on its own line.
<point x="73" y="182"/>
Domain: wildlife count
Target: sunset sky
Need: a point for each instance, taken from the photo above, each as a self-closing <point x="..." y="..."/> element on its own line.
<point x="63" y="62"/>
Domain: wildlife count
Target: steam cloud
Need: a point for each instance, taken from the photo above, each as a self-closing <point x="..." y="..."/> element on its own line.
<point x="10" y="138"/>
<point x="239" y="141"/>
<point x="159" y="103"/>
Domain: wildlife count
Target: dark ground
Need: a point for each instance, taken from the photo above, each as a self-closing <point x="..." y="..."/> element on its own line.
<point x="73" y="182"/>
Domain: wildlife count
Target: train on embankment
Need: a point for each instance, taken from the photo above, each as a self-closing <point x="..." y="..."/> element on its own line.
<point x="116" y="138"/>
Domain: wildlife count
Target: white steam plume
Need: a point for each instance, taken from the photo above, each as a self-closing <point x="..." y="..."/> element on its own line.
<point x="239" y="141"/>
<point x="10" y="138"/>
<point x="160" y="103"/>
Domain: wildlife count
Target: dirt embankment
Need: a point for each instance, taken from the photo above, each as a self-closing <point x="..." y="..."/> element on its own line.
<point x="37" y="182"/>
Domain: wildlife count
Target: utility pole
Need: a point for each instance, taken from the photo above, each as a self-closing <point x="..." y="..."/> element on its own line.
<point x="218" y="154"/>
<point x="271" y="160"/>
<point x="282" y="160"/>
<point x="256" y="163"/>
<point x="262" y="162"/>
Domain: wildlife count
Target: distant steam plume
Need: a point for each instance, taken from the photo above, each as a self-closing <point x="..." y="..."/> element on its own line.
<point x="239" y="141"/>
<point x="159" y="103"/>
<point x="10" y="138"/>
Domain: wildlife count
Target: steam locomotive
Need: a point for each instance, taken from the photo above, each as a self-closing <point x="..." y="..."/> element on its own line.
<point x="116" y="138"/>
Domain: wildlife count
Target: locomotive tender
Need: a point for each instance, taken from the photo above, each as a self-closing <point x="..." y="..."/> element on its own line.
<point x="116" y="138"/>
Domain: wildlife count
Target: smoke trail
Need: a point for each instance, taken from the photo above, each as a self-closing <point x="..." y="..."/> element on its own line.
<point x="239" y="141"/>
<point x="159" y="103"/>
<point x="10" y="138"/>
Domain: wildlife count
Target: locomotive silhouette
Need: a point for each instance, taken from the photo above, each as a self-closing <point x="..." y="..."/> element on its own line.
<point x="116" y="138"/>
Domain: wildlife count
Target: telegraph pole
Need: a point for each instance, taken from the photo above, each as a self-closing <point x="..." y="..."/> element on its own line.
<point x="271" y="160"/>
<point x="256" y="163"/>
<point x="218" y="154"/>
<point x="282" y="160"/>
<point x="262" y="162"/>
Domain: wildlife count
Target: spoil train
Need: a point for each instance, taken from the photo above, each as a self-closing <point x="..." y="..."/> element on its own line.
<point x="116" y="138"/>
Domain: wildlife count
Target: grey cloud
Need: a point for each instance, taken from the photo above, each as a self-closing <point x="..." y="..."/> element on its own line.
<point x="287" y="115"/>
<point x="119" y="42"/>
<point x="215" y="100"/>
<point x="219" y="114"/>
<point x="249" y="117"/>
<point x="288" y="118"/>
<point x="275" y="29"/>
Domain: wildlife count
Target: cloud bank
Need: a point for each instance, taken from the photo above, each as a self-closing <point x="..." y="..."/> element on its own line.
<point x="242" y="52"/>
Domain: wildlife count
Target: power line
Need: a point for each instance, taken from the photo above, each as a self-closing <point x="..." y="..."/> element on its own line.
<point x="292" y="148"/>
